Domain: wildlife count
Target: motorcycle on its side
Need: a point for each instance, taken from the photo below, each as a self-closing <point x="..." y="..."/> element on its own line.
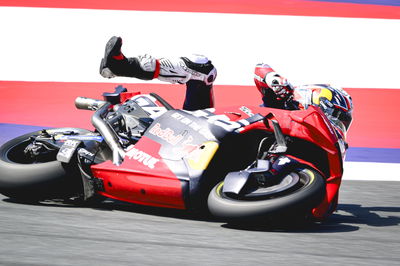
<point x="241" y="162"/>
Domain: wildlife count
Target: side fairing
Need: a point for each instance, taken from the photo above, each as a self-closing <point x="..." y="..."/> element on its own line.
<point x="164" y="166"/>
<point x="179" y="133"/>
<point x="142" y="178"/>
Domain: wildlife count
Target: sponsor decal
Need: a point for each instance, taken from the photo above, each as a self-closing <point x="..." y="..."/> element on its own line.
<point x="149" y="104"/>
<point x="85" y="152"/>
<point x="67" y="150"/>
<point x="65" y="153"/>
<point x="204" y="131"/>
<point x="142" y="157"/>
<point x="166" y="134"/>
<point x="78" y="137"/>
<point x="187" y="146"/>
<point x="72" y="143"/>
<point x="283" y="160"/>
<point x="222" y="121"/>
<point x="246" y="110"/>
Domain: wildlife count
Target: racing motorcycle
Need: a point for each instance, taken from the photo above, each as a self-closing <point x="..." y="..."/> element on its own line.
<point x="240" y="163"/>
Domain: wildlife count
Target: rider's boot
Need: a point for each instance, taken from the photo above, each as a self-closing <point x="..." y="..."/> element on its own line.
<point x="115" y="63"/>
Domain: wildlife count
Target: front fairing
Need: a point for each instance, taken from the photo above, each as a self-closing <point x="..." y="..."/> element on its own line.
<point x="314" y="142"/>
<point x="309" y="125"/>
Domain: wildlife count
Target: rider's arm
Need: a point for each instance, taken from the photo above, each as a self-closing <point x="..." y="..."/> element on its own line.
<point x="276" y="91"/>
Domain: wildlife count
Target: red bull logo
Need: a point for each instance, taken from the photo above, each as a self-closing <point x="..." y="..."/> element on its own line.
<point x="166" y="134"/>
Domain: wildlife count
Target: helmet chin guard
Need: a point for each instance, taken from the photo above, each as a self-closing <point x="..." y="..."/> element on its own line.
<point x="335" y="102"/>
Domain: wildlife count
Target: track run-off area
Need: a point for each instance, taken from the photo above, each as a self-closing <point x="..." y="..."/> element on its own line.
<point x="50" y="53"/>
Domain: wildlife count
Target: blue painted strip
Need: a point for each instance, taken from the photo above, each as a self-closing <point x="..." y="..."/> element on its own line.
<point x="10" y="131"/>
<point x="368" y="2"/>
<point x="377" y="155"/>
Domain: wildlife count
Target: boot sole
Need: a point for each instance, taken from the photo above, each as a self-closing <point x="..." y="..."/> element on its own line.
<point x="104" y="70"/>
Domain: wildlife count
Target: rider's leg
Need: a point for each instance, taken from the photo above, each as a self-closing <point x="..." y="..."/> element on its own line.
<point x="199" y="87"/>
<point x="198" y="96"/>
<point x="196" y="71"/>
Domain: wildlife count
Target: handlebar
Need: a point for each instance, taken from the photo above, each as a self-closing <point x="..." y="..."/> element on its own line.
<point x="88" y="103"/>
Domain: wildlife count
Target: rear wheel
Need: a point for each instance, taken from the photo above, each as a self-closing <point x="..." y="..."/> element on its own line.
<point x="29" y="179"/>
<point x="298" y="192"/>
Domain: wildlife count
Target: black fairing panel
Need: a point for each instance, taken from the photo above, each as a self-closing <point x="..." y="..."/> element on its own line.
<point x="178" y="132"/>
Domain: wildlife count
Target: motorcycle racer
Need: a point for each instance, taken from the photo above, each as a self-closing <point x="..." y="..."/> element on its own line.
<point x="198" y="73"/>
<point x="277" y="92"/>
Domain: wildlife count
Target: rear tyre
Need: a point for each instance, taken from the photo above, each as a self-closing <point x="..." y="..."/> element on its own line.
<point x="295" y="202"/>
<point x="25" y="180"/>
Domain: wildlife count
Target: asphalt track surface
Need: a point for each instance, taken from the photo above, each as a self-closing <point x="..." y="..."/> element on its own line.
<point x="364" y="231"/>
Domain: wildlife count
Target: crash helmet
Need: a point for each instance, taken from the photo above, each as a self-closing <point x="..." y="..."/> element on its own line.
<point x="336" y="103"/>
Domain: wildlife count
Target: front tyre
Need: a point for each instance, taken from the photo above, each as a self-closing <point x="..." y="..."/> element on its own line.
<point x="309" y="192"/>
<point x="27" y="180"/>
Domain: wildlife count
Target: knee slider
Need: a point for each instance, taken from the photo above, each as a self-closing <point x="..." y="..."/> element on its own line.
<point x="201" y="68"/>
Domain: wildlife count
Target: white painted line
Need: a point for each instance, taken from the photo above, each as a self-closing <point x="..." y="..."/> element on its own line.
<point x="371" y="171"/>
<point x="49" y="44"/>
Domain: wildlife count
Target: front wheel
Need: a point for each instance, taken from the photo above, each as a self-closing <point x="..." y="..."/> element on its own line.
<point x="307" y="194"/>
<point x="23" y="178"/>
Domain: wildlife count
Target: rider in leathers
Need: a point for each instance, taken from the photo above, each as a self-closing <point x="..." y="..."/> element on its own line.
<point x="198" y="73"/>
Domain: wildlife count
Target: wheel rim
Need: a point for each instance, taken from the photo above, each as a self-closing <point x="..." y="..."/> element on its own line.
<point x="252" y="191"/>
<point x="15" y="154"/>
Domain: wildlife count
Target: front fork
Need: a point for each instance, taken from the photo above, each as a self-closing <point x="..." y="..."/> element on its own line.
<point x="267" y="170"/>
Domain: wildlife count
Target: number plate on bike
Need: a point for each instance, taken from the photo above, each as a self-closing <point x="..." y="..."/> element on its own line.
<point x="67" y="150"/>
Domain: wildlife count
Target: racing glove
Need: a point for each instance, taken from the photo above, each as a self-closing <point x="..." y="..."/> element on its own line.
<point x="279" y="85"/>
